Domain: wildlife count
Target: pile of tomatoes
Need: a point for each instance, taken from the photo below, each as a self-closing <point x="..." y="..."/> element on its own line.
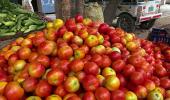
<point x="84" y="60"/>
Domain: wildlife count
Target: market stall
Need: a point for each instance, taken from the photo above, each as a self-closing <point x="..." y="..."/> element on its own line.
<point x="80" y="59"/>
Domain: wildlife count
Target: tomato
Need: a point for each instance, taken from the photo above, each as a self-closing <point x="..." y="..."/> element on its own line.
<point x="37" y="40"/>
<point x="97" y="59"/>
<point x="35" y="69"/>
<point x="155" y="95"/>
<point x="90" y="83"/>
<point x="88" y="96"/>
<point x="80" y="75"/>
<point x="13" y="91"/>
<point x="165" y="83"/>
<point x="117" y="95"/>
<point x="112" y="82"/>
<point x="55" y="77"/>
<point x="106" y="61"/>
<point x="2" y="86"/>
<point x="85" y="48"/>
<point x="12" y="59"/>
<point x="71" y="84"/>
<point x="68" y="96"/>
<point x="91" y="68"/>
<point x="47" y="47"/>
<point x="43" y="89"/>
<point x="24" y="53"/>
<point x="122" y="79"/>
<point x="64" y="66"/>
<point x="33" y="56"/>
<point x="30" y="84"/>
<point x="60" y="91"/>
<point x="33" y="98"/>
<point x="108" y="71"/>
<point x="135" y="60"/>
<point x="137" y="77"/>
<point x="44" y="60"/>
<point x="53" y="97"/>
<point x="118" y="65"/>
<point x="54" y="62"/>
<point x="130" y="96"/>
<point x="102" y="93"/>
<point x="76" y="65"/>
<point x="2" y="97"/>
<point x="74" y="98"/>
<point x="65" y="52"/>
<point x="79" y="53"/>
<point x="26" y="43"/>
<point x="141" y="92"/>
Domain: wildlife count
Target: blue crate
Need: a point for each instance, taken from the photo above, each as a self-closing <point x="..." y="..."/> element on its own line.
<point x="159" y="35"/>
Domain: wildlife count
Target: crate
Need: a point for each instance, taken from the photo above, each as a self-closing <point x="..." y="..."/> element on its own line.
<point x="159" y="35"/>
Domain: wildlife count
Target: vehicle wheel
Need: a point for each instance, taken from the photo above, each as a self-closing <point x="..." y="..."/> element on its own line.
<point x="126" y="22"/>
<point x="147" y="24"/>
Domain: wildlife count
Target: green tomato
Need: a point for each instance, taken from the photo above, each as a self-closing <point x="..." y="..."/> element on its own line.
<point x="155" y="95"/>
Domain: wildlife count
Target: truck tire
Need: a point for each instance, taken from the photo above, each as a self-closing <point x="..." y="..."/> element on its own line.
<point x="126" y="22"/>
<point x="147" y="24"/>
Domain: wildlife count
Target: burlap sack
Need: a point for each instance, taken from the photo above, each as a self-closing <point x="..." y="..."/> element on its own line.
<point x="94" y="11"/>
<point x="27" y="5"/>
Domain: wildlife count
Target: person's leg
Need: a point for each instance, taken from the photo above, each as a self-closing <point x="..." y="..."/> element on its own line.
<point x="35" y="6"/>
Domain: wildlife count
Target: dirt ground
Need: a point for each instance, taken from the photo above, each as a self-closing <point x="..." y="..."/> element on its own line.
<point x="163" y="22"/>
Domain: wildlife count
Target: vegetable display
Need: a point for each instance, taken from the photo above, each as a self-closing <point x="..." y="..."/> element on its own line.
<point x="84" y="60"/>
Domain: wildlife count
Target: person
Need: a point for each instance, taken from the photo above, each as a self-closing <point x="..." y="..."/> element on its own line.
<point x="35" y="5"/>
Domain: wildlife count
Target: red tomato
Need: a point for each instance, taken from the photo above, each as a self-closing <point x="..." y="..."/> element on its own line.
<point x="165" y="83"/>
<point x="76" y="65"/>
<point x="137" y="78"/>
<point x="90" y="83"/>
<point x="65" y="52"/>
<point x="88" y="96"/>
<point x="13" y="91"/>
<point x="60" y="91"/>
<point x="91" y="68"/>
<point x="106" y="61"/>
<point x="24" y="53"/>
<point x="30" y="84"/>
<point x="43" y="89"/>
<point x="118" y="95"/>
<point x="128" y="69"/>
<point x="118" y="65"/>
<point x="55" y="77"/>
<point x="97" y="59"/>
<point x="54" y="62"/>
<point x="44" y="60"/>
<point x="102" y="93"/>
<point x="64" y="66"/>
<point x="33" y="56"/>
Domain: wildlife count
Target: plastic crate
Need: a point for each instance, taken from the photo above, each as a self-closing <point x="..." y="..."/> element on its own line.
<point x="159" y="35"/>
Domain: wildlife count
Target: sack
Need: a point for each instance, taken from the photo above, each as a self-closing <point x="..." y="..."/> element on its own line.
<point x="94" y="11"/>
<point x="27" y="5"/>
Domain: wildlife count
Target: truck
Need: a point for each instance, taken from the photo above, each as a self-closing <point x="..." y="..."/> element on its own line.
<point x="131" y="13"/>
